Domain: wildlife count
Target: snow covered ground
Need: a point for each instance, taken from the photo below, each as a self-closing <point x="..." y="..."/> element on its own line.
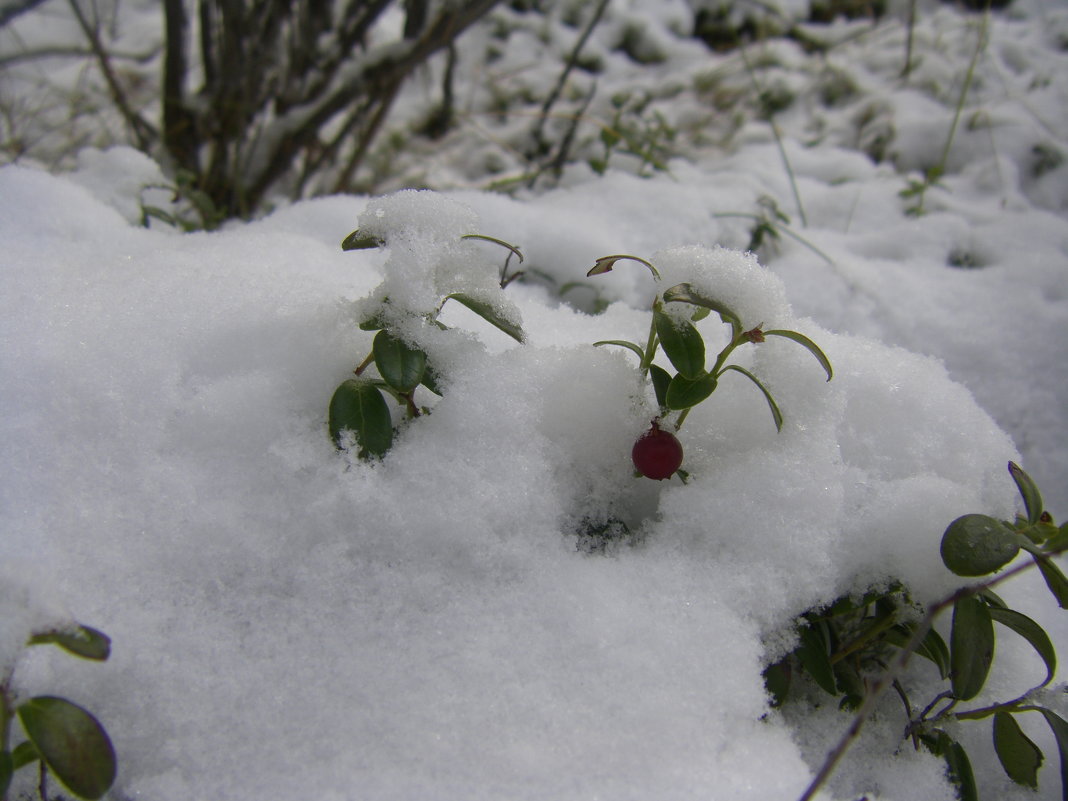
<point x="289" y="623"/>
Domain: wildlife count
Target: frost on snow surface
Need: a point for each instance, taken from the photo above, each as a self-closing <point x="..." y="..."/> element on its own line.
<point x="288" y="623"/>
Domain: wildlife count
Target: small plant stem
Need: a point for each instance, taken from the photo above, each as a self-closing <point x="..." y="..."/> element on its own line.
<point x="910" y="26"/>
<point x="908" y="710"/>
<point x="964" y="91"/>
<point x="737" y="340"/>
<point x="987" y="711"/>
<point x="893" y="670"/>
<point x="863" y="639"/>
<point x="778" y="142"/>
<point x="409" y="402"/>
<point x="651" y="343"/>
<point x="572" y="60"/>
<point x="932" y="174"/>
<point x="779" y="227"/>
<point x="365" y="363"/>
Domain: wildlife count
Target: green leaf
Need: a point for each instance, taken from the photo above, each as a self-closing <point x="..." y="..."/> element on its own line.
<point x="975" y="545"/>
<point x="494" y="240"/>
<point x="7" y="770"/>
<point x="359" y="241"/>
<point x="960" y="770"/>
<point x="606" y="263"/>
<point x="682" y="343"/>
<point x="775" y="413"/>
<point x="430" y="381"/>
<point x="661" y="379"/>
<point x="490" y="315"/>
<point x="777" y="682"/>
<point x="932" y="647"/>
<point x="1055" y="579"/>
<point x="1059" y="541"/>
<point x="1060" y="733"/>
<point x="685" y="293"/>
<point x="400" y="365"/>
<point x="1019" y="756"/>
<point x="72" y="744"/>
<point x="1032" y="632"/>
<point x="1032" y="498"/>
<point x="814" y="655"/>
<point x="623" y="344"/>
<point x="82" y="641"/>
<point x="358" y="406"/>
<point x="24" y="754"/>
<point x="683" y="392"/>
<point x="971" y="647"/>
<point x="159" y="214"/>
<point x="805" y="342"/>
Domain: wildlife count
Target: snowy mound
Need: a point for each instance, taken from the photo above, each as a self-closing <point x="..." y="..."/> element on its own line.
<point x="291" y="623"/>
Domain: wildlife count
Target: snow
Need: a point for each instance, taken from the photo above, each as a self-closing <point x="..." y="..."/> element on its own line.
<point x="289" y="622"/>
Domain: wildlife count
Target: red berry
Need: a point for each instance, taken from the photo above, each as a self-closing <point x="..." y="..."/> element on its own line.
<point x="657" y="454"/>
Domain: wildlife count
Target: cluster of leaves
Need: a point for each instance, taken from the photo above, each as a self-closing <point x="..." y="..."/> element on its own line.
<point x="768" y="223"/>
<point x="693" y="381"/>
<point x="62" y="737"/>
<point x="359" y="406"/>
<point x="846" y="646"/>
<point x="648" y="137"/>
<point x="191" y="208"/>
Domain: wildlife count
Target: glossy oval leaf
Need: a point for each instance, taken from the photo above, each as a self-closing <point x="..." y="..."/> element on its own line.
<point x="685" y="293"/>
<point x="360" y="241"/>
<point x="960" y="770"/>
<point x="976" y="545"/>
<point x="24" y="754"/>
<point x="490" y="315"/>
<point x="1018" y="755"/>
<point x="82" y="641"/>
<point x="775" y="412"/>
<point x="777" y="682"/>
<point x="623" y="344"/>
<point x="682" y="343"/>
<point x="400" y="365"/>
<point x="72" y="743"/>
<point x="932" y="647"/>
<point x="1033" y="633"/>
<point x="683" y="392"/>
<point x="807" y="343"/>
<point x="1059" y="727"/>
<point x="814" y="655"/>
<point x="1032" y="498"/>
<point x="358" y="406"/>
<point x="661" y="379"/>
<point x="7" y="770"/>
<point x="1055" y="579"/>
<point x="971" y="647"/>
<point x="606" y="263"/>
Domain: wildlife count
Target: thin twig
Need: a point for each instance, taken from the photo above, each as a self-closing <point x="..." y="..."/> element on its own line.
<point x="554" y="95"/>
<point x="778" y="140"/>
<point x="144" y="134"/>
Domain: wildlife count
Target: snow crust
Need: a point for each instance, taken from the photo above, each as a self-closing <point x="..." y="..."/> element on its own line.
<point x="424" y="626"/>
<point x="288" y="622"/>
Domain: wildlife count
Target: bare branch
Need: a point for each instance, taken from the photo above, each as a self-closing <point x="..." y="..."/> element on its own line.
<point x="143" y="132"/>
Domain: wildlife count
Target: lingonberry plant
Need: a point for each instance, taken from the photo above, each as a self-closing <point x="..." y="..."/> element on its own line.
<point x="658" y="454"/>
<point x="857" y="648"/>
<point x="358" y="405"/>
<point x="62" y="737"/>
